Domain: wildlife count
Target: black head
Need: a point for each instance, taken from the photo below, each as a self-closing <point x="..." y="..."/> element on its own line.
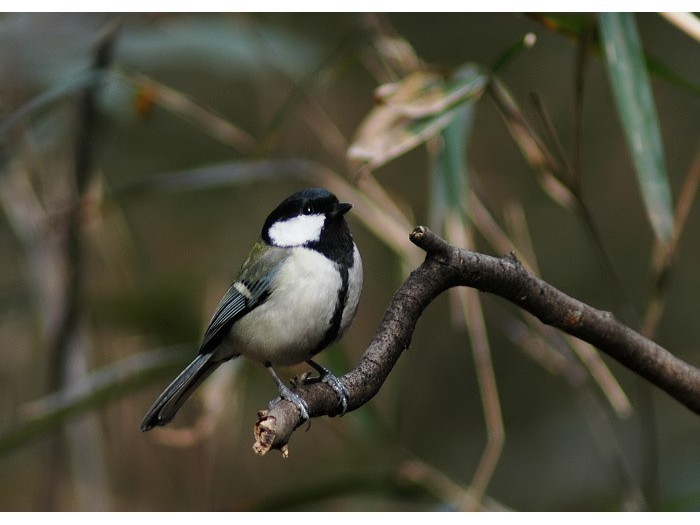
<point x="311" y="218"/>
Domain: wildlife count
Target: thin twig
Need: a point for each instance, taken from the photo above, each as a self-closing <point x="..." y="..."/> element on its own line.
<point x="192" y="111"/>
<point x="73" y="246"/>
<point x="470" y="304"/>
<point x="665" y="254"/>
<point x="686" y="22"/>
<point x="597" y="369"/>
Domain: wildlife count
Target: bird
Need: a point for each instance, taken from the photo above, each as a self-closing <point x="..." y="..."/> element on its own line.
<point x="295" y="294"/>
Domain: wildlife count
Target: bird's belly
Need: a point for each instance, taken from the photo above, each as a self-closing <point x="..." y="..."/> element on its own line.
<point x="288" y="327"/>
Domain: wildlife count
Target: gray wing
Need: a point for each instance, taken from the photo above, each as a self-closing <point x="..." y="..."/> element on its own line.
<point x="251" y="288"/>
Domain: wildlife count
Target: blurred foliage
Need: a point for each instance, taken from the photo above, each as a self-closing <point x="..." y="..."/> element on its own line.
<point x="630" y="82"/>
<point x="133" y="180"/>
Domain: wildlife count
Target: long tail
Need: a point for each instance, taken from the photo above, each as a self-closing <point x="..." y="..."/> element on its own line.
<point x="170" y="401"/>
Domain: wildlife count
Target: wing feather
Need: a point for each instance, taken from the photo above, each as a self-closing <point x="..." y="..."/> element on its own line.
<point x="249" y="290"/>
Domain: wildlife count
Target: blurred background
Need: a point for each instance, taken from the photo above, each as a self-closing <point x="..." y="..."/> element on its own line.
<point x="141" y="154"/>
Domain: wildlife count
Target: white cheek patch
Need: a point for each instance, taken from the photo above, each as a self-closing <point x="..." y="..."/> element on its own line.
<point x="297" y="231"/>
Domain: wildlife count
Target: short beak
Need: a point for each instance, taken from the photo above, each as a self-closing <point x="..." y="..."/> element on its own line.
<point x="340" y="209"/>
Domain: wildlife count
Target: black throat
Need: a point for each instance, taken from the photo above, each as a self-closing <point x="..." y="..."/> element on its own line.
<point x="335" y="242"/>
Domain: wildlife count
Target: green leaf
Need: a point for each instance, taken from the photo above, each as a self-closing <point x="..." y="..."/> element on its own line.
<point x="450" y="172"/>
<point x="635" y="103"/>
<point x="662" y="71"/>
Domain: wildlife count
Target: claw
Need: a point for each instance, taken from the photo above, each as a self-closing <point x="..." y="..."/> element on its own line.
<point x="298" y="402"/>
<point x="332" y="381"/>
<point x="286" y="393"/>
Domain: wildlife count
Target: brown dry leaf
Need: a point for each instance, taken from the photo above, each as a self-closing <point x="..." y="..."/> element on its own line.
<point x="411" y="111"/>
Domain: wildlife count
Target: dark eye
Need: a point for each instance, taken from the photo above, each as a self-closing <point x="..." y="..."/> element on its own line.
<point x="308" y="209"/>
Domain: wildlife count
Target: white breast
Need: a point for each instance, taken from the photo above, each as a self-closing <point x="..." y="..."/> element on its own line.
<point x="294" y="319"/>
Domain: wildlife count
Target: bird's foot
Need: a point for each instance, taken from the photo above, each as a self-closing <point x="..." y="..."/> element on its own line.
<point x="286" y="393"/>
<point x="326" y="376"/>
<point x="296" y="400"/>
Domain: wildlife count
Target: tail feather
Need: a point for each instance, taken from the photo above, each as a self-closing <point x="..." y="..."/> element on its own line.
<point x="170" y="401"/>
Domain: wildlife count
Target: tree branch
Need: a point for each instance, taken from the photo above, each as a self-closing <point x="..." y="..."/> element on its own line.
<point x="446" y="266"/>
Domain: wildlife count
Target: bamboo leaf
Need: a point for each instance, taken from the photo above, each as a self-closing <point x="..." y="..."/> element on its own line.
<point x="47" y="98"/>
<point x="632" y="89"/>
<point x="576" y="27"/>
<point x="96" y="390"/>
<point x="228" y="46"/>
<point x="450" y="172"/>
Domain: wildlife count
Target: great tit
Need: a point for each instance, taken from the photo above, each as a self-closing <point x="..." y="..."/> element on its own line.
<point x="295" y="294"/>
